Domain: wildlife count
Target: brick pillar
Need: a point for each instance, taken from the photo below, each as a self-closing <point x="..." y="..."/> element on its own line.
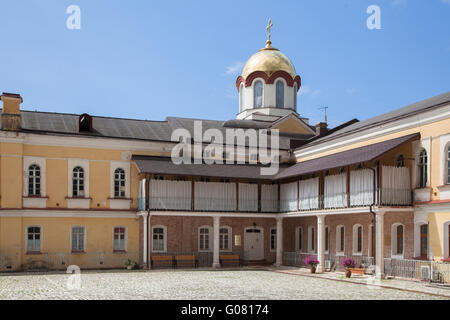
<point x="279" y="260"/>
<point x="216" y="261"/>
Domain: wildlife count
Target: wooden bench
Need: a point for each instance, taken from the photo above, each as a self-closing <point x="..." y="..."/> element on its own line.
<point x="166" y="261"/>
<point x="230" y="260"/>
<point x="360" y="271"/>
<point x="183" y="260"/>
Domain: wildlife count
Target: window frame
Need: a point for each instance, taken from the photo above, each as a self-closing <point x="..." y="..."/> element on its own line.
<point x="312" y="239"/>
<point x="228" y="242"/>
<point x="241" y="97"/>
<point x="299" y="239"/>
<point x="327" y="240"/>
<point x="295" y="97"/>
<point x="283" y="85"/>
<point x="395" y="240"/>
<point x="36" y="168"/>
<point x="210" y="239"/>
<point x="273" y="239"/>
<point x="339" y="236"/>
<point x="125" y="240"/>
<point x="447" y="167"/>
<point x="256" y="82"/>
<point x="40" y="238"/>
<point x="356" y="239"/>
<point x="422" y="169"/>
<point x="78" y="179"/>
<point x="77" y="250"/>
<point x="119" y="194"/>
<point x="164" y="240"/>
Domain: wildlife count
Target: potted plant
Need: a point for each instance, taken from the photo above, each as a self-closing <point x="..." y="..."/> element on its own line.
<point x="312" y="262"/>
<point x="128" y="264"/>
<point x="348" y="264"/>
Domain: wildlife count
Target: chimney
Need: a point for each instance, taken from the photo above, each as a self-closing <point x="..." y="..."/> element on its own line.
<point x="321" y="129"/>
<point x="11" y="120"/>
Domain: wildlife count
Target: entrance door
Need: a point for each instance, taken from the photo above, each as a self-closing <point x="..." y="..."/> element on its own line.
<point x="254" y="243"/>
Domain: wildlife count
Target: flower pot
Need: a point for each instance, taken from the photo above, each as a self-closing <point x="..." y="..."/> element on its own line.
<point x="313" y="269"/>
<point x="348" y="272"/>
<point x="129" y="267"/>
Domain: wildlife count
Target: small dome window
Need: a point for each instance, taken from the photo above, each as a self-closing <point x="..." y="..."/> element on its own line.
<point x="258" y="94"/>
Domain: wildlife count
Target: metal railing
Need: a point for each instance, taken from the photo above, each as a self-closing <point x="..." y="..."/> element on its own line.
<point x="417" y="269"/>
<point x="394" y="197"/>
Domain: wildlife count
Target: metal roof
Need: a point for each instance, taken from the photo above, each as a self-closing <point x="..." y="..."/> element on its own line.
<point x="345" y="158"/>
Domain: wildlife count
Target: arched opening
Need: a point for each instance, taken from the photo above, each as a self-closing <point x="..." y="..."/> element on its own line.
<point x="280" y="94"/>
<point x="258" y="94"/>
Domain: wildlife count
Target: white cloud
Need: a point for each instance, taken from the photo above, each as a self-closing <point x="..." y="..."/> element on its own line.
<point x="304" y="90"/>
<point x="235" y="68"/>
<point x="315" y="92"/>
<point x="445" y="1"/>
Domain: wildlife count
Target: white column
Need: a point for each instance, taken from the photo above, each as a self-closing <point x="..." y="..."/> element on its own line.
<point x="321" y="243"/>
<point x="145" y="239"/>
<point x="379" y="244"/>
<point x="279" y="259"/>
<point x="216" y="261"/>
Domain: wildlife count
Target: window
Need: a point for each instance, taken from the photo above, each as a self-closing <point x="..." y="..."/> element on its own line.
<point x="397" y="239"/>
<point x="258" y="94"/>
<point x="78" y="237"/>
<point x="159" y="239"/>
<point x="423" y="160"/>
<point x="119" y="239"/>
<point x="327" y="239"/>
<point x="119" y="183"/>
<point x="85" y="123"/>
<point x="299" y="239"/>
<point x="400" y="161"/>
<point x="78" y="182"/>
<point x="224" y="238"/>
<point x="273" y="239"/>
<point x="34" y="180"/>
<point x="34" y="239"/>
<point x="280" y="94"/>
<point x="311" y="238"/>
<point x="340" y="239"/>
<point x="204" y="235"/>
<point x="241" y="98"/>
<point x="424" y="240"/>
<point x="295" y="96"/>
<point x="357" y="239"/>
<point x="448" y="165"/>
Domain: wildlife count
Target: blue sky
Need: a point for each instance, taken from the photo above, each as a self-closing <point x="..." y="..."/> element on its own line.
<point x="152" y="59"/>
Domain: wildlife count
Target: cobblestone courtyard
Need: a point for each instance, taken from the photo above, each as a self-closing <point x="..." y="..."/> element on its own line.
<point x="201" y="284"/>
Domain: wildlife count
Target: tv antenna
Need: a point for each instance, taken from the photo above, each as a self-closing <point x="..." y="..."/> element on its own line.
<point x="325" y="111"/>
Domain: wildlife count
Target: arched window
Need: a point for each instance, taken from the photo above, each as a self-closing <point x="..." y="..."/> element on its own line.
<point x="119" y="183"/>
<point x="241" y="98"/>
<point x="448" y="165"/>
<point x="295" y="96"/>
<point x="280" y="94"/>
<point x="34" y="180"/>
<point x="397" y="239"/>
<point x="258" y="94"/>
<point x="423" y="163"/>
<point x="78" y="182"/>
<point x="357" y="239"/>
<point x="400" y="161"/>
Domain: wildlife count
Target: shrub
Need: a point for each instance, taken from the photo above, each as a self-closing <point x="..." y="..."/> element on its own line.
<point x="312" y="261"/>
<point x="348" y="263"/>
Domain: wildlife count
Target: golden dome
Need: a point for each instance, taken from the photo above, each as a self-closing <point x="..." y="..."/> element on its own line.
<point x="269" y="60"/>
